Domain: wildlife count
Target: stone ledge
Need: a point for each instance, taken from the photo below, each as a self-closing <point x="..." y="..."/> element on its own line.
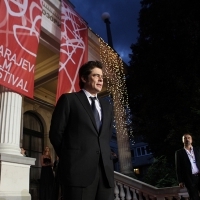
<point x="23" y="195"/>
<point x="17" y="159"/>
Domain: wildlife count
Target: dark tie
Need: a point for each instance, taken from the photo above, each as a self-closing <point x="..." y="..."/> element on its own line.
<point x="95" y="112"/>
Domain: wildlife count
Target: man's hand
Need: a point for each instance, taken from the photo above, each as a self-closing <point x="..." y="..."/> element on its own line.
<point x="181" y="185"/>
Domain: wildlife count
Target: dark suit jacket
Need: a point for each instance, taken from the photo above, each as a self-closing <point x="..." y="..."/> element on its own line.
<point x="183" y="166"/>
<point x="76" y="140"/>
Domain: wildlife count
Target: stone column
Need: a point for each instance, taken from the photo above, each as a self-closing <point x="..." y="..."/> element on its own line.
<point x="14" y="168"/>
<point x="10" y="121"/>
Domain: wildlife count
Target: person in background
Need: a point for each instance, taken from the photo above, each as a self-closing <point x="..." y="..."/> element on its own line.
<point x="80" y="132"/>
<point x="23" y="152"/>
<point x="47" y="176"/>
<point x="187" y="161"/>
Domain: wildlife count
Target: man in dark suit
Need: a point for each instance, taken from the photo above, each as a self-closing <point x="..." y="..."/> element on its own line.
<point x="187" y="162"/>
<point x="80" y="131"/>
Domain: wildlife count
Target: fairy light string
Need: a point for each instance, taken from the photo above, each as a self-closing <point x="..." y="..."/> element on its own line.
<point x="116" y="87"/>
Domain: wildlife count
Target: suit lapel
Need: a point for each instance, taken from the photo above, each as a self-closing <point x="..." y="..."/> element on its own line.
<point x="85" y="103"/>
<point x="103" y="112"/>
<point x="185" y="154"/>
<point x="186" y="158"/>
<point x="196" y="154"/>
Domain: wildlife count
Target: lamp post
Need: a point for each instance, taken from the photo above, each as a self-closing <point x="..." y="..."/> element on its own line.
<point x="106" y="16"/>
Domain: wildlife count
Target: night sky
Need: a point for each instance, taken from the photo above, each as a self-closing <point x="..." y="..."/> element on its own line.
<point x="123" y="17"/>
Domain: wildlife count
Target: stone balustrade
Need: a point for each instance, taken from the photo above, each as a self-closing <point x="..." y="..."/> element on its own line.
<point x="127" y="188"/>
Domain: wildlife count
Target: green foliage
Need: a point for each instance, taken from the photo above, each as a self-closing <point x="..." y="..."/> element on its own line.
<point x="164" y="74"/>
<point x="160" y="174"/>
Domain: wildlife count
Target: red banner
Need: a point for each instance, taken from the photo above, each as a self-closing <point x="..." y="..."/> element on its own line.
<point x="20" y="22"/>
<point x="73" y="49"/>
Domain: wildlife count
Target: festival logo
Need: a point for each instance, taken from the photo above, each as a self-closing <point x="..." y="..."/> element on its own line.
<point x="20" y="22"/>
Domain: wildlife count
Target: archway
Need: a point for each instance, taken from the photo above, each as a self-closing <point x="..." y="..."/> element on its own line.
<point x="33" y="141"/>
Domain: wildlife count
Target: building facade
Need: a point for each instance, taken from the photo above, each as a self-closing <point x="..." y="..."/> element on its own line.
<point x="25" y="122"/>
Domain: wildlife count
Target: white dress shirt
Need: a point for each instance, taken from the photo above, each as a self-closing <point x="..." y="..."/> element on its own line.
<point x="192" y="159"/>
<point x="97" y="103"/>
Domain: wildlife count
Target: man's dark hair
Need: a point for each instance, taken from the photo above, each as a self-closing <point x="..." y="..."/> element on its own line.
<point x="86" y="69"/>
<point x="187" y="133"/>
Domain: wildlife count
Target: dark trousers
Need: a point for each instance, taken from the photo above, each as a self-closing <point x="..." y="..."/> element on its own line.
<point x="98" y="190"/>
<point x="194" y="189"/>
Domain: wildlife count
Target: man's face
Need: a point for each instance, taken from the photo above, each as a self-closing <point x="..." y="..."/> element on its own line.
<point x="94" y="82"/>
<point x="187" y="140"/>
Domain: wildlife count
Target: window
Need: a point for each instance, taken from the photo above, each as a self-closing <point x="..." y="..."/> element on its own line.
<point x="138" y="151"/>
<point x="143" y="151"/>
<point x="33" y="141"/>
<point x="148" y="150"/>
<point x="136" y="171"/>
